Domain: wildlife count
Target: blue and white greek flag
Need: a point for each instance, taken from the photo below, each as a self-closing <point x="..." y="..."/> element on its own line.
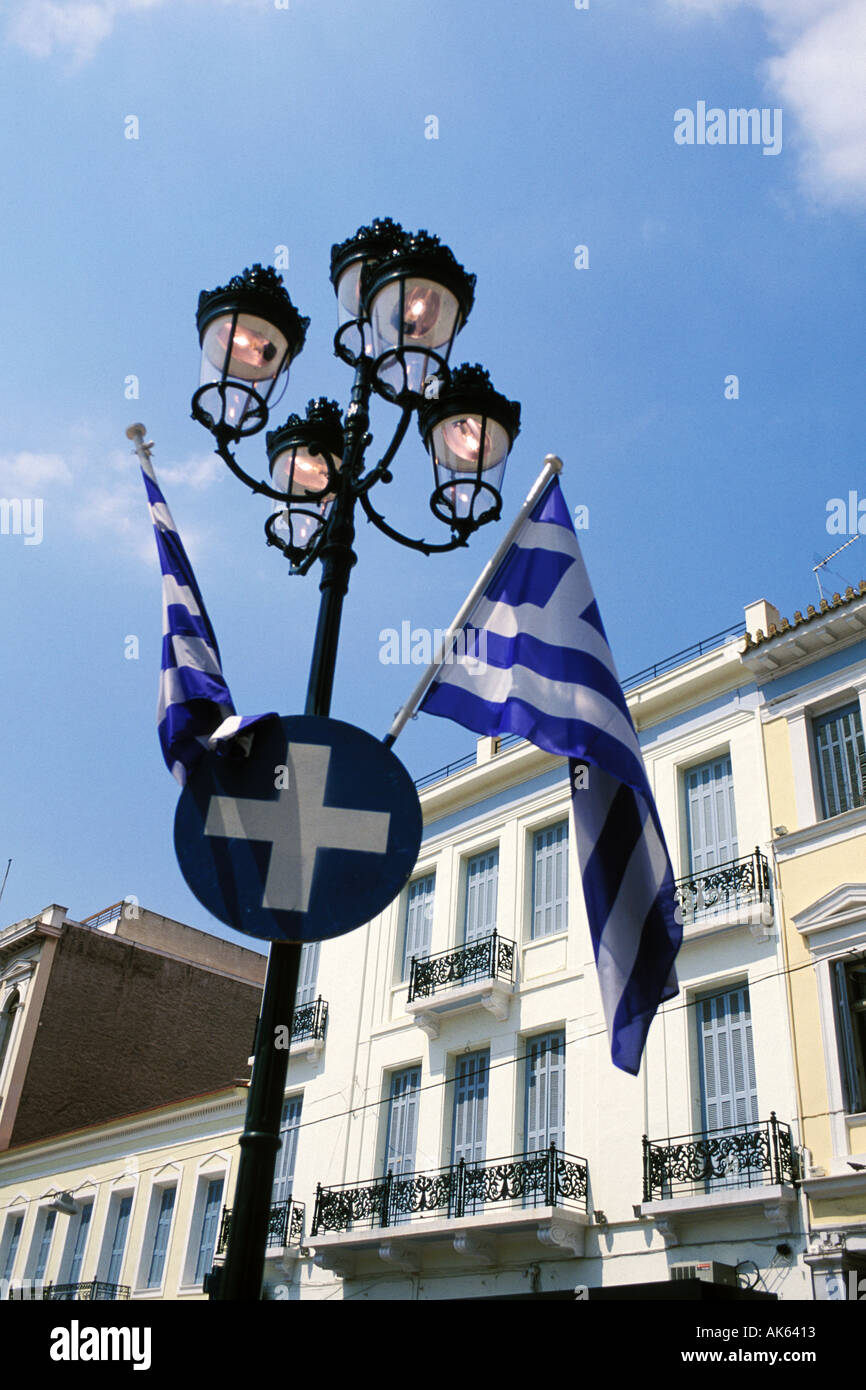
<point x="538" y="664"/>
<point x="195" y="709"/>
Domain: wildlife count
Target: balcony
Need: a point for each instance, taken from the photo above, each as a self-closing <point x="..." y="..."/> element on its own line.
<point x="479" y="974"/>
<point x="721" y="1171"/>
<point x="309" y="1023"/>
<point x="285" y="1226"/>
<point x="732" y="894"/>
<point x="94" y="1289"/>
<point x="465" y="1206"/>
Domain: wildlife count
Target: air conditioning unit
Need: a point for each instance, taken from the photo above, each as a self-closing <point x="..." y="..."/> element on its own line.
<point x="710" y="1271"/>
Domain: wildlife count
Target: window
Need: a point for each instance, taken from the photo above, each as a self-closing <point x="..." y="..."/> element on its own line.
<point x="77" y="1242"/>
<point x="728" y="1091"/>
<point x="44" y="1234"/>
<point x="308" y="974"/>
<point x="11" y="1240"/>
<point x="419" y="921"/>
<point x="165" y="1197"/>
<point x="119" y="1227"/>
<point x="402" y="1121"/>
<point x="284" y="1173"/>
<point x="469" y="1134"/>
<point x="849" y="979"/>
<point x="545" y="1091"/>
<point x="712" y="824"/>
<point x="840" y="755"/>
<point x="7" y="1024"/>
<point x="550" y="880"/>
<point x="482" y="874"/>
<point x="208" y="1237"/>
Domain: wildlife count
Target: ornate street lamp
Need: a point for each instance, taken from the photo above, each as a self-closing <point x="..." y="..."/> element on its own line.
<point x="402" y="299"/>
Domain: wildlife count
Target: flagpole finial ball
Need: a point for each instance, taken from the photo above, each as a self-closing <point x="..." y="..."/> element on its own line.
<point x="135" y="430"/>
<point x="553" y="461"/>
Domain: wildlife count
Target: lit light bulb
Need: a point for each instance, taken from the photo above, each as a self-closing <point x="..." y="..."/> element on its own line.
<point x="420" y="312"/>
<point x="463" y="438"/>
<point x="249" y="348"/>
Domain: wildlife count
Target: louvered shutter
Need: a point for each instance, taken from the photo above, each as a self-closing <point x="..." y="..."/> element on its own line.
<point x="712" y="823"/>
<point x="419" y="920"/>
<point x="12" y="1248"/>
<point x="841" y="758"/>
<point x="470" y="1107"/>
<point x="545" y="1092"/>
<point x="729" y="1092"/>
<point x="403" y="1122"/>
<point x="207" y="1241"/>
<point x="160" y="1237"/>
<point x="550" y="880"/>
<point x="482" y="875"/>
<point x="118" y="1243"/>
<point x="284" y="1173"/>
<point x="308" y="973"/>
<point x="80" y="1242"/>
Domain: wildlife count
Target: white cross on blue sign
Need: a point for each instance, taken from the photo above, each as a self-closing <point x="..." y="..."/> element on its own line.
<point x="312" y="835"/>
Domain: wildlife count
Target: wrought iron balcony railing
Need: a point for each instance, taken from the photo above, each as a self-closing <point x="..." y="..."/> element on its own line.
<point x="310" y="1021"/>
<point x="548" y="1178"/>
<point x="487" y="958"/>
<point x="749" y="1155"/>
<point x="95" y="1289"/>
<point x="285" y="1225"/>
<point x="736" y="883"/>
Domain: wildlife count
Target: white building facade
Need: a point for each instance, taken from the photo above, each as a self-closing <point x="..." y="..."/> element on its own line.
<point x="461" y="1131"/>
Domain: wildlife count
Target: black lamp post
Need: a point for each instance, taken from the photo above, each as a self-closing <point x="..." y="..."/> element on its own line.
<point x="402" y="298"/>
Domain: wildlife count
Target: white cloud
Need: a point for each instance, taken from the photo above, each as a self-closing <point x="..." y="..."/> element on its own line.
<point x="818" y="76"/>
<point x="75" y="28"/>
<point x="105" y="498"/>
<point x="26" y="473"/>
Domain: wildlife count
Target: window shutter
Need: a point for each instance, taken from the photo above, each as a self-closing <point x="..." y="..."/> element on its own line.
<point x="470" y="1108"/>
<point x="419" y="920"/>
<point x="207" y="1242"/>
<point x="160" y="1237"/>
<point x="550" y="880"/>
<point x="118" y="1244"/>
<point x="308" y="973"/>
<point x="12" y="1249"/>
<point x="841" y="757"/>
<point x="284" y="1175"/>
<point x="80" y="1242"/>
<point x="482" y="874"/>
<point x="728" y="1089"/>
<point x="712" y="824"/>
<point x="545" y="1092"/>
<point x="403" y="1122"/>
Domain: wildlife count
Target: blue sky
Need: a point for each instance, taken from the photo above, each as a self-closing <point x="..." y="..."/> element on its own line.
<point x="261" y="127"/>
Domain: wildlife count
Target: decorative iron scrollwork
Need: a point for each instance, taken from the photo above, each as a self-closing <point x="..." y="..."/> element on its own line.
<point x="731" y="885"/>
<point x="489" y="957"/>
<point x="546" y="1178"/>
<point x="736" y="1156"/>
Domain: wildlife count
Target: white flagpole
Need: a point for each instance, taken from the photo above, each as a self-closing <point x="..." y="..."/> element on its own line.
<point x="552" y="466"/>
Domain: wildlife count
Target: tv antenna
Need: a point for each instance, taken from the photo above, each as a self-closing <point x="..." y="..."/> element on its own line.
<point x="826" y="560"/>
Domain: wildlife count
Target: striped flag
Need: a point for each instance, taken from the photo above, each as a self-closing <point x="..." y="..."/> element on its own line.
<point x="195" y="710"/>
<point x="535" y="661"/>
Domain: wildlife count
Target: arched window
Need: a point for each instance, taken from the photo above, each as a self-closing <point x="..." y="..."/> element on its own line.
<point x="7" y="1024"/>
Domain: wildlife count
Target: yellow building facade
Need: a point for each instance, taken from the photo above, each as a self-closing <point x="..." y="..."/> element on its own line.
<point x="811" y="673"/>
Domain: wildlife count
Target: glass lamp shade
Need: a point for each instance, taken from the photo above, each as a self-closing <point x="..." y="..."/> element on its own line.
<point x="469" y="431"/>
<point x="417" y="299"/>
<point x="348" y="259"/>
<point x="250" y="331"/>
<point x="305" y="459"/>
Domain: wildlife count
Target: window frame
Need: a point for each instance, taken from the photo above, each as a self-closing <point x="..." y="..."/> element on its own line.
<point x="817" y="722"/>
